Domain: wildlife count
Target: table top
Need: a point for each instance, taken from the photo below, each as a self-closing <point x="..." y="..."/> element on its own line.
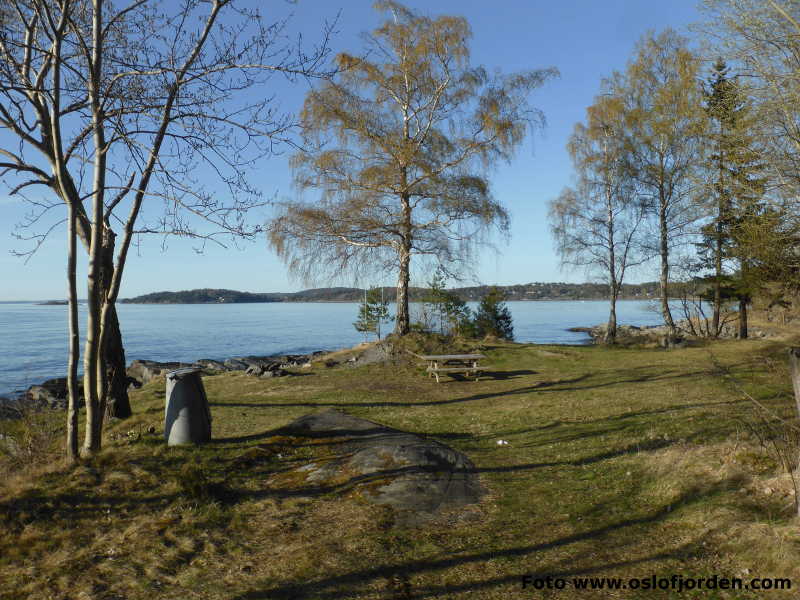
<point x="452" y="356"/>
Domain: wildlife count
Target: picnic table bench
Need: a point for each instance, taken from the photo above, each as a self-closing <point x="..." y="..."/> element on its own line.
<point x="452" y="363"/>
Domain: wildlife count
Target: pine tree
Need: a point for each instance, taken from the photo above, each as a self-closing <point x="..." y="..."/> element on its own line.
<point x="493" y="316"/>
<point x="447" y="308"/>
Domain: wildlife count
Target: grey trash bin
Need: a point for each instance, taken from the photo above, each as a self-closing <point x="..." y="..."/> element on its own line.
<point x="187" y="418"/>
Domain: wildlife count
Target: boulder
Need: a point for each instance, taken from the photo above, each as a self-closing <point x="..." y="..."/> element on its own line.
<point x="39" y="396"/>
<point x="9" y="408"/>
<point x="255" y="361"/>
<point x="133" y="383"/>
<point x="278" y="372"/>
<point x="9" y="446"/>
<point x="264" y="366"/>
<point x="287" y="361"/>
<point x="210" y="364"/>
<point x="379" y="352"/>
<point x="51" y="394"/>
<point x="417" y="477"/>
<point x="146" y="370"/>
<point x="255" y="370"/>
<point x="669" y="342"/>
<point x="236" y="364"/>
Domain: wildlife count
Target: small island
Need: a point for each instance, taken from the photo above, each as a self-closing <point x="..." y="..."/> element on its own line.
<point x="222" y="296"/>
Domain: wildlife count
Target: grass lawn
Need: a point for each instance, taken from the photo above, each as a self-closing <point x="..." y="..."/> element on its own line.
<point x="619" y="463"/>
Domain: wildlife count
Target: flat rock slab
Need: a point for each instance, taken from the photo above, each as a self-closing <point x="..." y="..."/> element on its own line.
<point x="417" y="477"/>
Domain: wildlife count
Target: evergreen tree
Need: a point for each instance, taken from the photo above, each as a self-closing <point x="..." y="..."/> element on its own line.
<point x="373" y="310"/>
<point x="493" y="316"/>
<point x="447" y="310"/>
<point x="736" y="194"/>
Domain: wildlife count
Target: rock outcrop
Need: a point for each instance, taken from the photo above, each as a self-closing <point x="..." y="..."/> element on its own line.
<point x="270" y="370"/>
<point x="658" y="334"/>
<point x="416" y="476"/>
<point x="9" y="409"/>
<point x="51" y="394"/>
<point x="146" y="370"/>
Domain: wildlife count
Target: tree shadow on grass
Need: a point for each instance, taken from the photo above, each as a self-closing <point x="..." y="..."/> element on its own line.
<point x="563" y="431"/>
<point x="388" y="474"/>
<point x="487" y="375"/>
<point x="359" y="583"/>
<point x="629" y="450"/>
<point x="626" y="376"/>
<point x="243" y="439"/>
<point x="72" y="507"/>
<point x="389" y="403"/>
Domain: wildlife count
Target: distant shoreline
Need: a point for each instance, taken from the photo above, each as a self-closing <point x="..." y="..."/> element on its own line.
<point x="525" y="292"/>
<point x="414" y="300"/>
<point x="554" y="291"/>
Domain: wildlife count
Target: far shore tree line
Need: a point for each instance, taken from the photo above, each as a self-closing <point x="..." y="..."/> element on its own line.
<point x="109" y="110"/>
<point x="523" y="291"/>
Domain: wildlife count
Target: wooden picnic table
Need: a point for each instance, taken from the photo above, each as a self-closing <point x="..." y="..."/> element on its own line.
<point x="452" y="363"/>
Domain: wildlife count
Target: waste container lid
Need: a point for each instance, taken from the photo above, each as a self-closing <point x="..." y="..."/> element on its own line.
<point x="178" y="373"/>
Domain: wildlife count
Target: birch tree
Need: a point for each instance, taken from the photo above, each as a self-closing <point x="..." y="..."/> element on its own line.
<point x="112" y="107"/>
<point x="665" y="126"/>
<point x="398" y="146"/>
<point x="597" y="224"/>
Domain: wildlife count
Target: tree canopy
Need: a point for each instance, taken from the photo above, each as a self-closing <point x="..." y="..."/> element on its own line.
<point x="398" y="146"/>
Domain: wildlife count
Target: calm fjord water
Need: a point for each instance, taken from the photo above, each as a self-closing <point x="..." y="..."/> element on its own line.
<point x="33" y="338"/>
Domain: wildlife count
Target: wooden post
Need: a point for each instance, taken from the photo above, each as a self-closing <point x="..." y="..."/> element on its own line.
<point x="794" y="364"/>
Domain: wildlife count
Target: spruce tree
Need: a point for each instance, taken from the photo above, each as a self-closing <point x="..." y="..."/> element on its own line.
<point x="736" y="193"/>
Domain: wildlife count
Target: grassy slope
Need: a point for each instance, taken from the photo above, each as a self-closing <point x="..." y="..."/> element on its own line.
<point x="619" y="462"/>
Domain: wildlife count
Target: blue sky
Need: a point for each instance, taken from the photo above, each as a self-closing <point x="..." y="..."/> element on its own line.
<point x="585" y="39"/>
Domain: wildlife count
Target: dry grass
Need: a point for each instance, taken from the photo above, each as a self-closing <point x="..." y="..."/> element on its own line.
<point x="619" y="462"/>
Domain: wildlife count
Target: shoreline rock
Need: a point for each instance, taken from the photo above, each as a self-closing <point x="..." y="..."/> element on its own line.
<point x="144" y="371"/>
<point x="51" y="394"/>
